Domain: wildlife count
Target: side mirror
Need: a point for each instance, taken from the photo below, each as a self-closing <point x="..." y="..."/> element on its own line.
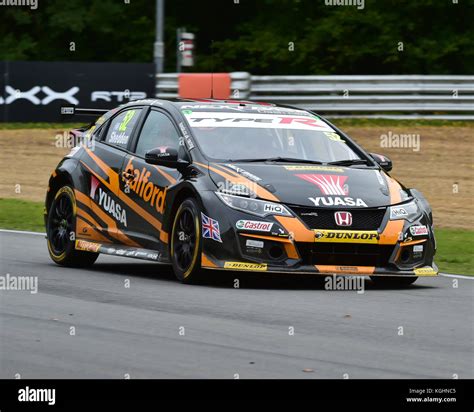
<point x="164" y="156"/>
<point x="383" y="161"/>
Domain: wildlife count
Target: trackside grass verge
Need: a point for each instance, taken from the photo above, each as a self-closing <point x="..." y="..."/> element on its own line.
<point x="455" y="247"/>
<point x="455" y="252"/>
<point x="21" y="215"/>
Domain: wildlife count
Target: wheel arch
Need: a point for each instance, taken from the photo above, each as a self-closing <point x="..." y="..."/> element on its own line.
<point x="184" y="193"/>
<point x="62" y="175"/>
<point x="55" y="184"/>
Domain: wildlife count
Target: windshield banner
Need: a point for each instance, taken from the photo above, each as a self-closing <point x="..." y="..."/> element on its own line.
<point x="254" y="120"/>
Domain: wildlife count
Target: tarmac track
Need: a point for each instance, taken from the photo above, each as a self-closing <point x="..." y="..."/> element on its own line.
<point x="138" y="330"/>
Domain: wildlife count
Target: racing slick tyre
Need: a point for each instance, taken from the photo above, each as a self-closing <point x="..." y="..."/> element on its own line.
<point x="60" y="231"/>
<point x="393" y="281"/>
<point x="185" y="247"/>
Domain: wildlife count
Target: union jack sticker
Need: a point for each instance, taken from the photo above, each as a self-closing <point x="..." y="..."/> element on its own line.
<point x="210" y="228"/>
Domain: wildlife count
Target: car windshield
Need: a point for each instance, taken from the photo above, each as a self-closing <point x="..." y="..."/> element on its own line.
<point x="253" y="136"/>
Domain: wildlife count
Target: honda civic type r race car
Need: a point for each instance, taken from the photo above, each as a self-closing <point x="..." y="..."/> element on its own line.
<point x="232" y="185"/>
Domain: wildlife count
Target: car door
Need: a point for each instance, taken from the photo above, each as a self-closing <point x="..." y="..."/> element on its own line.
<point x="146" y="185"/>
<point x="102" y="165"/>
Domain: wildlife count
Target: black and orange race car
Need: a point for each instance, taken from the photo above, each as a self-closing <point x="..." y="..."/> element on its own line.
<point x="234" y="185"/>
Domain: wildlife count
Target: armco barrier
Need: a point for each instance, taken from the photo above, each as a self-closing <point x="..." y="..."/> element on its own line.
<point x="410" y="96"/>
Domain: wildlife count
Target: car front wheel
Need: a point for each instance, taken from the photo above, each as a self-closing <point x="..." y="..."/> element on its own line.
<point x="185" y="247"/>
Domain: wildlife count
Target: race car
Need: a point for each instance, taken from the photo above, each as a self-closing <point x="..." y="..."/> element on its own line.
<point x="234" y="185"/>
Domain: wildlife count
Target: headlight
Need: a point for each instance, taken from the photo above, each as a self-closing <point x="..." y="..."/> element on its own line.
<point x="260" y="208"/>
<point x="409" y="211"/>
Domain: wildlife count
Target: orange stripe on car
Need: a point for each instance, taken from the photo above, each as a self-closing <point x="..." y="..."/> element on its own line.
<point x="135" y="207"/>
<point x="112" y="225"/>
<point x="113" y="229"/>
<point x="102" y="180"/>
<point x="227" y="170"/>
<point x="97" y="227"/>
<point x="167" y="176"/>
<point x="99" y="237"/>
<point x="93" y="234"/>
<point x="146" y="216"/>
<point x="237" y="179"/>
<point x="206" y="262"/>
<point x="274" y="238"/>
<point x="86" y="215"/>
<point x="394" y="189"/>
<point x="113" y="176"/>
<point x="413" y="242"/>
<point x="291" y="251"/>
<point x="82" y="197"/>
<point x="346" y="270"/>
<point x="391" y="233"/>
<point x="299" y="231"/>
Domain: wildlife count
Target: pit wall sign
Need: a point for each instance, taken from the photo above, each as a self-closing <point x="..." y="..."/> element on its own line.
<point x="35" y="91"/>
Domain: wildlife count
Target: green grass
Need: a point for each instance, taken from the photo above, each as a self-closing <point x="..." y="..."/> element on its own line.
<point x="455" y="252"/>
<point x="21" y="215"/>
<point x="455" y="247"/>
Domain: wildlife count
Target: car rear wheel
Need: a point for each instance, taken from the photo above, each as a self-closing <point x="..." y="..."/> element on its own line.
<point x="185" y="247"/>
<point x="393" y="281"/>
<point x="61" y="230"/>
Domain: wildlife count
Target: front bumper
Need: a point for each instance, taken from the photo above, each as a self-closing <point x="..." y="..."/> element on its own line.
<point x="324" y="270"/>
<point x="290" y="246"/>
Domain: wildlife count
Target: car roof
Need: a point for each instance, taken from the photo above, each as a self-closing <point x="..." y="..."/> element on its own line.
<point x="216" y="104"/>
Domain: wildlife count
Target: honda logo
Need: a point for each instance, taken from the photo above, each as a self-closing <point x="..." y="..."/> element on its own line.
<point x="343" y="218"/>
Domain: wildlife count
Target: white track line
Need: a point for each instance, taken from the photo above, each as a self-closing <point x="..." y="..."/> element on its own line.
<point x="449" y="275"/>
<point x="21" y="232"/>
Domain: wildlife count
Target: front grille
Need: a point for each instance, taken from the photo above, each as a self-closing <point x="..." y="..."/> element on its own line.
<point x="362" y="219"/>
<point x="345" y="254"/>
